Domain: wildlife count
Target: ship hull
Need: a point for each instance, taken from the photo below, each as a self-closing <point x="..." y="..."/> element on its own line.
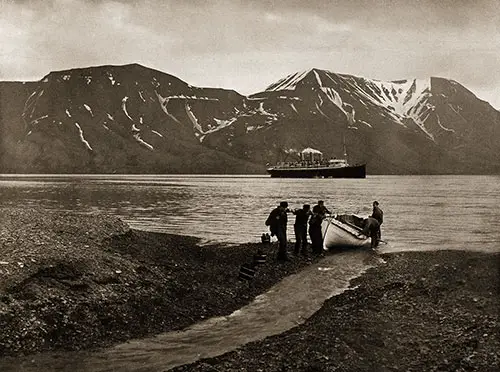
<point x="352" y="171"/>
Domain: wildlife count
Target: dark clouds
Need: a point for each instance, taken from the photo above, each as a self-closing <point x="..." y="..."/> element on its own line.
<point x="248" y="44"/>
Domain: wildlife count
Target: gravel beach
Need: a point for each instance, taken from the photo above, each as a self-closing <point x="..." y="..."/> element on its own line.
<point x="421" y="311"/>
<point x="73" y="282"/>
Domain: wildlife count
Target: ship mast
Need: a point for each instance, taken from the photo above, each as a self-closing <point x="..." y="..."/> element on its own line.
<point x="350" y="123"/>
<point x="343" y="144"/>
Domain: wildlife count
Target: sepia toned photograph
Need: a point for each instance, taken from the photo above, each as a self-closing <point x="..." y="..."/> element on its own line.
<point x="261" y="186"/>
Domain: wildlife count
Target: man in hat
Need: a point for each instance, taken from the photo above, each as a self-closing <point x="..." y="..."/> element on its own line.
<point x="378" y="214"/>
<point x="300" y="228"/>
<point x="277" y="221"/>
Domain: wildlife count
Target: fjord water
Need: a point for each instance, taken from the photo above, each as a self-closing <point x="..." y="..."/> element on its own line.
<point x="421" y="213"/>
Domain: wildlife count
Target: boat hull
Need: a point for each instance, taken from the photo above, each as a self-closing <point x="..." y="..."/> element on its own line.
<point x="352" y="171"/>
<point x="337" y="234"/>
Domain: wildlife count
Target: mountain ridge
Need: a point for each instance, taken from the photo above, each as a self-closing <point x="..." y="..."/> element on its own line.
<point x="124" y="118"/>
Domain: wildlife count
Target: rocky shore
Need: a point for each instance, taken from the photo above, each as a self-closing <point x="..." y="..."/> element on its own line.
<point x="421" y="311"/>
<point x="72" y="282"/>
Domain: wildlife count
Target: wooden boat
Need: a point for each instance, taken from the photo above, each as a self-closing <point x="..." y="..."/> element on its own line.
<point x="344" y="231"/>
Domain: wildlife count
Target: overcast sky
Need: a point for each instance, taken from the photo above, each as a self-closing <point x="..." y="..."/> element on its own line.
<point x="247" y="45"/>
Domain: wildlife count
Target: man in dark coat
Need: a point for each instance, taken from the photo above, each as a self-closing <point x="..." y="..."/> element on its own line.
<point x="315" y="230"/>
<point x="277" y="221"/>
<point x="371" y="228"/>
<point x="300" y="228"/>
<point x="378" y="214"/>
<point x="319" y="213"/>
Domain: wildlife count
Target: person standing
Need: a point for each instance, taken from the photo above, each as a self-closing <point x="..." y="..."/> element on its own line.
<point x="371" y="228"/>
<point x="300" y="228"/>
<point x="378" y="214"/>
<point x="277" y="222"/>
<point x="319" y="213"/>
<point x="322" y="209"/>
<point x="315" y="230"/>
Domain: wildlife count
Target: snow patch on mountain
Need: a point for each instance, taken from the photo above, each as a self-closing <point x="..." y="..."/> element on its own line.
<point x="192" y="118"/>
<point x="263" y="111"/>
<point x="163" y="101"/>
<point x="334" y="97"/>
<point x="82" y="138"/>
<point x="87" y="107"/>
<point x="31" y="103"/>
<point x="67" y="113"/>
<point x="110" y="117"/>
<point x="111" y="78"/>
<point x="157" y="133"/>
<point x="138" y="138"/>
<point x="442" y="126"/>
<point x="124" y="107"/>
<point x="403" y="96"/>
<point x="405" y="99"/>
<point x="321" y="112"/>
<point x="142" y="97"/>
<point x="37" y="120"/>
<point x="399" y="100"/>
<point x="222" y="124"/>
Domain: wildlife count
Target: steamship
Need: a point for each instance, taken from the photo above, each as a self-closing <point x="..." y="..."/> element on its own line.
<point x="312" y="165"/>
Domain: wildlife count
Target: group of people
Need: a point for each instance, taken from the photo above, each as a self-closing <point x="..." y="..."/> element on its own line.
<point x="278" y="219"/>
<point x="277" y="222"/>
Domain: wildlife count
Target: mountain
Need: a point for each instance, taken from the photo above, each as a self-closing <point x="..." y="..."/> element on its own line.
<point x="408" y="126"/>
<point x="132" y="119"/>
<point x="107" y="119"/>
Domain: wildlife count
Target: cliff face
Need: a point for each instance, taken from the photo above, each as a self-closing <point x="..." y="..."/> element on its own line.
<point x="131" y="119"/>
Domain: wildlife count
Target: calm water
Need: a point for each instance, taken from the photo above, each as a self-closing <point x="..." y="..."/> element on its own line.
<point x="420" y="213"/>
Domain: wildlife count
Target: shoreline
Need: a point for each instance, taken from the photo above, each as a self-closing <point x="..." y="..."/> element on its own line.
<point x="76" y="282"/>
<point x="82" y="282"/>
<point x="421" y="311"/>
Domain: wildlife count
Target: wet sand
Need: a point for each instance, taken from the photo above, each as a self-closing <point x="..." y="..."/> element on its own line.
<point x="421" y="311"/>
